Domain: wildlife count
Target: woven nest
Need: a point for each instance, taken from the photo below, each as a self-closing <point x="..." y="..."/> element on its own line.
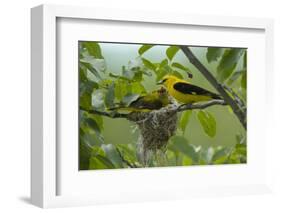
<point x="156" y="127"/>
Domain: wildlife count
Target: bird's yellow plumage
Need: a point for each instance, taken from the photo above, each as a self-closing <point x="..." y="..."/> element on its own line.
<point x="185" y="92"/>
<point x="152" y="101"/>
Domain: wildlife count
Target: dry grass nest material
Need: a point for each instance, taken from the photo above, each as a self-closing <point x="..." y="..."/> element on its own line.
<point x="156" y="127"/>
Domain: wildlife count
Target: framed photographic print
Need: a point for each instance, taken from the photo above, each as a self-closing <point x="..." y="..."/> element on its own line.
<point x="131" y="105"/>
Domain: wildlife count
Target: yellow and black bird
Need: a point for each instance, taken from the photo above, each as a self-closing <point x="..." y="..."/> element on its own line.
<point x="151" y="101"/>
<point x="185" y="92"/>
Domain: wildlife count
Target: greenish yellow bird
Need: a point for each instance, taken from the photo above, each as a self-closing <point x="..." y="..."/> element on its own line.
<point x="185" y="92"/>
<point x="152" y="101"/>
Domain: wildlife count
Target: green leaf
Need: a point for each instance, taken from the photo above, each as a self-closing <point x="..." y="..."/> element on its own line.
<point x="186" y="161"/>
<point x="93" y="48"/>
<point x="180" y="144"/>
<point x="93" y="125"/>
<point x="220" y="156"/>
<point x="112" y="154"/>
<point x="228" y="63"/>
<point x="171" y="52"/>
<point x="241" y="138"/>
<point x="185" y="117"/>
<point x="177" y="74"/>
<point x="82" y="73"/>
<point x="95" y="163"/>
<point x="213" y="53"/>
<point x="119" y="77"/>
<point x="148" y="64"/>
<point x="85" y="93"/>
<point x="244" y="80"/>
<point x="88" y="67"/>
<point x="93" y="139"/>
<point x="121" y="89"/>
<point x="171" y="157"/>
<point x="99" y="160"/>
<point x="98" y="99"/>
<point x="128" y="152"/>
<point x="138" y="88"/>
<point x="241" y="149"/>
<point x="238" y="154"/>
<point x="164" y="62"/>
<point x="222" y="160"/>
<point x="162" y="70"/>
<point x="93" y="64"/>
<point x="235" y="76"/>
<point x="245" y="60"/>
<point x="144" y="48"/>
<point x="138" y="76"/>
<point x="109" y="96"/>
<point x="98" y="119"/>
<point x="90" y="128"/>
<point x="161" y="73"/>
<point x="180" y="66"/>
<point x="208" y="122"/>
<point x="129" y="98"/>
<point x="105" y="83"/>
<point x="84" y="155"/>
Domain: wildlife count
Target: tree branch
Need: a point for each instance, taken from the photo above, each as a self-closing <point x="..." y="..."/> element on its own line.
<point x="169" y="109"/>
<point x="200" y="105"/>
<point x="207" y="74"/>
<point x="112" y="114"/>
<point x="239" y="101"/>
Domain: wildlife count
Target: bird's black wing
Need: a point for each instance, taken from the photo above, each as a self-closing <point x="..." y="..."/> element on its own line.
<point x="194" y="90"/>
<point x="142" y="104"/>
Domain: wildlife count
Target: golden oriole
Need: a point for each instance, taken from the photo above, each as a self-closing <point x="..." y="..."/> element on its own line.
<point x="152" y="101"/>
<point x="185" y="92"/>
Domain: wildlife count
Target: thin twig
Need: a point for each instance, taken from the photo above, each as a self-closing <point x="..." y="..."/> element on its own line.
<point x="239" y="101"/>
<point x="112" y="114"/>
<point x="169" y="109"/>
<point x="207" y="74"/>
<point x="200" y="105"/>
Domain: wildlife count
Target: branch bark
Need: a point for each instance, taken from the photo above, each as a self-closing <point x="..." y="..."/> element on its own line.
<point x="238" y="100"/>
<point x="207" y="74"/>
<point x="112" y="114"/>
<point x="200" y="105"/>
<point x="173" y="108"/>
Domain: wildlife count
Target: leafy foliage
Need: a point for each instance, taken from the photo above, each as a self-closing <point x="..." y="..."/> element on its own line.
<point x="228" y="63"/>
<point x="208" y="122"/>
<point x="231" y="69"/>
<point x="185" y="119"/>
<point x="102" y="89"/>
<point x="171" y="52"/>
<point x="144" y="48"/>
<point x="179" y="144"/>
<point x="213" y="53"/>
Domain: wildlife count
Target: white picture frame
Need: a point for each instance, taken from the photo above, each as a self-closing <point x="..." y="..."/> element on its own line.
<point x="44" y="154"/>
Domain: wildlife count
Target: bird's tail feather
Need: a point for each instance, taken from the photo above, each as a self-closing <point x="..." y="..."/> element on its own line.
<point x="129" y="109"/>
